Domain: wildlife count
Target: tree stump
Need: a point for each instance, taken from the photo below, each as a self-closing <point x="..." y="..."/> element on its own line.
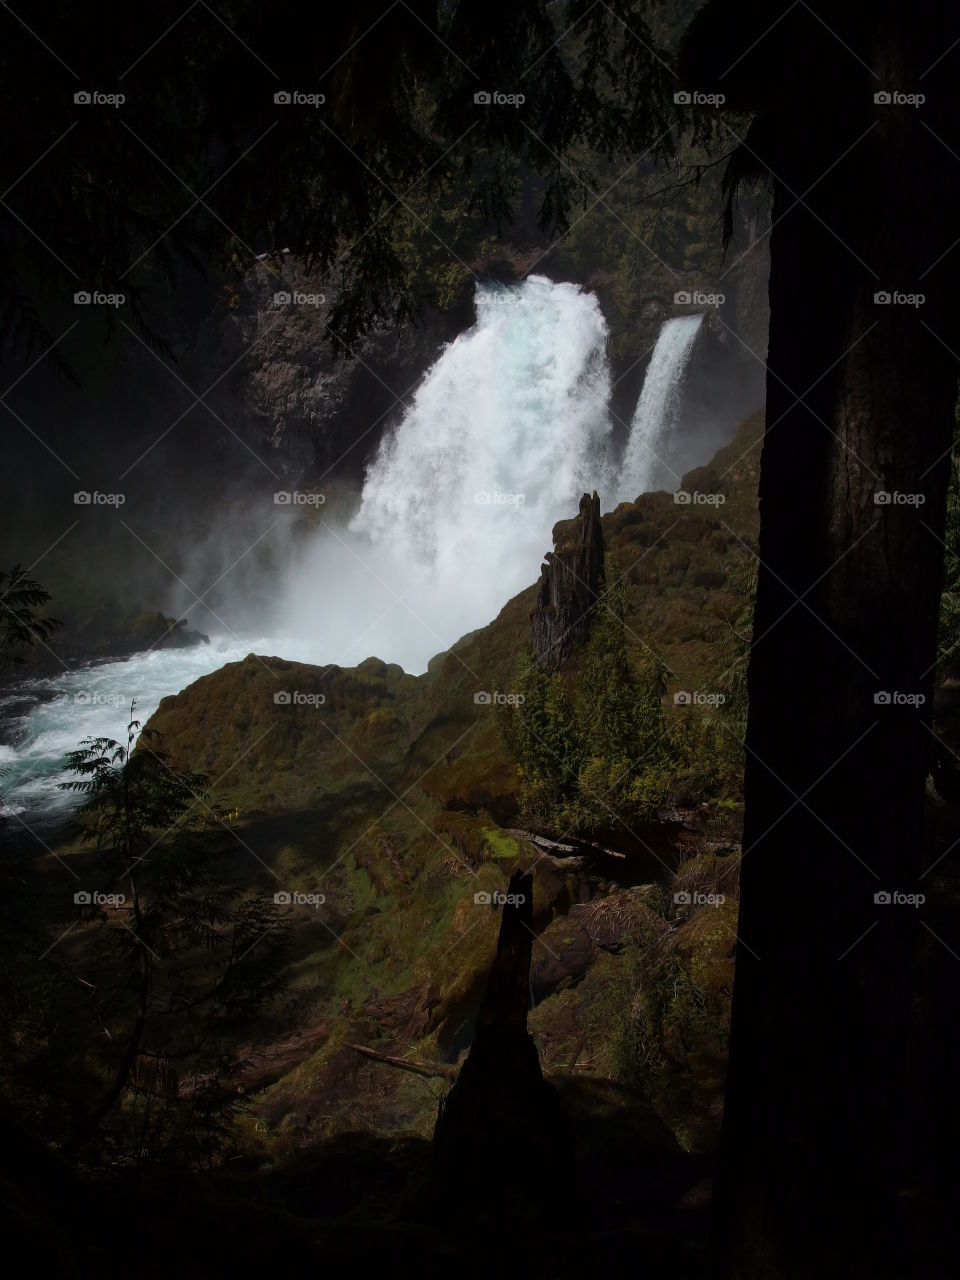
<point x="501" y="1128"/>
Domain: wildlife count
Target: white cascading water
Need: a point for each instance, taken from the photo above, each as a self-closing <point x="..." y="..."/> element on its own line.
<point x="47" y="716"/>
<point x="646" y="464"/>
<point x="504" y="433"/>
<point x="508" y="426"/>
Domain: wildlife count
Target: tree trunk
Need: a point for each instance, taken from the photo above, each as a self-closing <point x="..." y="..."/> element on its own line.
<point x="501" y="1127"/>
<point x="860" y="403"/>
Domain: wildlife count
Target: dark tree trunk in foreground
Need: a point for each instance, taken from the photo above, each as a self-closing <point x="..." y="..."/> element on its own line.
<point x="501" y="1128"/>
<point x="860" y="401"/>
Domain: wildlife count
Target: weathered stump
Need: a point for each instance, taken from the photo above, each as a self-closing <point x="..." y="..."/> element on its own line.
<point x="501" y="1130"/>
<point x="571" y="582"/>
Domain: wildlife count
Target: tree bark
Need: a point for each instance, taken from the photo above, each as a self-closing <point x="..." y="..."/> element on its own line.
<point x="860" y="402"/>
<point x="501" y="1125"/>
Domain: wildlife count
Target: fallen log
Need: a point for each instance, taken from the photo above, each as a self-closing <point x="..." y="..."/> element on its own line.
<point x="445" y="1069"/>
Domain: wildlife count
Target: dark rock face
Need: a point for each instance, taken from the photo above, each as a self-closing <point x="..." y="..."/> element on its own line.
<point x="570" y="583"/>
<point x="109" y="635"/>
<point x="297" y="396"/>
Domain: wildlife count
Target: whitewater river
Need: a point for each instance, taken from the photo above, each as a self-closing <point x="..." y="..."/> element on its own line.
<point x="42" y="719"/>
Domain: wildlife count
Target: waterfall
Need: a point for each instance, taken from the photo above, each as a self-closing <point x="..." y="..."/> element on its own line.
<point x="505" y="432"/>
<point x="507" y="429"/>
<point x="646" y="463"/>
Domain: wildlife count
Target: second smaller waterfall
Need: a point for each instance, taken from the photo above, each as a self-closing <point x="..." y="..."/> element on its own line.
<point x="646" y="461"/>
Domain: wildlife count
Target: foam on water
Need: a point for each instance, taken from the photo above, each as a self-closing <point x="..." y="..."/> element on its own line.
<point x="47" y="717"/>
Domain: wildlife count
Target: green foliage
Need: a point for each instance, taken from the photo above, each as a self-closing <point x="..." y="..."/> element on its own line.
<point x="597" y="758"/>
<point x="190" y="963"/>
<point x="500" y="845"/>
<point x="20" y="627"/>
<point x="545" y="738"/>
<point x="398" y="884"/>
<point x="620" y="698"/>
<point x="725" y="729"/>
<point x="661" y="1020"/>
<point x="336" y="186"/>
<point x="132" y="799"/>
